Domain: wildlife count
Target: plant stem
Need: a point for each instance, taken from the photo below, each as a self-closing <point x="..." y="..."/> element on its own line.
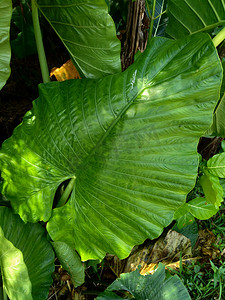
<point x="152" y="19"/>
<point x="66" y="193"/>
<point x="219" y="37"/>
<point x="39" y="43"/>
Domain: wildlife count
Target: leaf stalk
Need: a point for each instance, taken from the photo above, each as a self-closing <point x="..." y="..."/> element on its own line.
<point x="152" y="19"/>
<point x="39" y="43"/>
<point x="219" y="38"/>
<point x="66" y="193"/>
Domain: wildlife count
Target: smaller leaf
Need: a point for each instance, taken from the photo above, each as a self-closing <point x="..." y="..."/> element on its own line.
<point x="174" y="288"/>
<point x="182" y="210"/>
<point x="190" y="231"/>
<point x="14" y="271"/>
<point x="183" y="216"/>
<point x="149" y="287"/>
<point x="200" y="209"/>
<point x="70" y="261"/>
<point x="216" y="165"/>
<point x="212" y="189"/>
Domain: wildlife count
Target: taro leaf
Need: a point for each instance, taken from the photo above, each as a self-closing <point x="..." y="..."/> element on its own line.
<point x="129" y="139"/>
<point x="212" y="189"/>
<point x="70" y="261"/>
<point x="14" y="271"/>
<point x="153" y="287"/>
<point x="218" y="126"/>
<point x="5" y="53"/>
<point x="38" y="256"/>
<point x="216" y="165"/>
<point x="88" y="32"/>
<point x="191" y="16"/>
<point x="200" y="209"/>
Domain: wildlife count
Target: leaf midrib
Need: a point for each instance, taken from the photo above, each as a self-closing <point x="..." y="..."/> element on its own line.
<point x="126" y="107"/>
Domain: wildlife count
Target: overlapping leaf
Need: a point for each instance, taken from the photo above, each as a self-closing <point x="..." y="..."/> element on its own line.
<point x="88" y="32"/>
<point x="14" y="271"/>
<point x="153" y="287"/>
<point x="191" y="16"/>
<point x="5" y="53"/>
<point x="129" y="139"/>
<point x="27" y="258"/>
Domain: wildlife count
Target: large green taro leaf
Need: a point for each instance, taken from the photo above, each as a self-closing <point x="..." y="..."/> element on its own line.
<point x="192" y="16"/>
<point x="88" y="32"/>
<point x="129" y="139"/>
<point x="5" y="52"/>
<point x="27" y="258"/>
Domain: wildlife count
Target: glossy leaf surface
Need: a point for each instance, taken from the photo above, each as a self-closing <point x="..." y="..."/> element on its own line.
<point x="88" y="32"/>
<point x="14" y="271"/>
<point x="129" y="139"/>
<point x="153" y="287"/>
<point x="5" y="52"/>
<point x="32" y="247"/>
<point x="70" y="261"/>
<point x="192" y="16"/>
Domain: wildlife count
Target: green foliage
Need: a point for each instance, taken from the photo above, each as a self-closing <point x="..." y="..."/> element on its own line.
<point x="27" y="258"/>
<point x="70" y="261"/>
<point x="192" y="16"/>
<point x="5" y="53"/>
<point x="24" y="44"/>
<point x="127" y="142"/>
<point x="154" y="287"/>
<point x="160" y="17"/>
<point x="199" y="280"/>
<point x="88" y="32"/>
<point x="130" y="140"/>
<point x="14" y="271"/>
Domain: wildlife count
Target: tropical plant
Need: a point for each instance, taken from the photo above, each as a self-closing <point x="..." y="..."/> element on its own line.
<point x="123" y="146"/>
<point x="152" y="287"/>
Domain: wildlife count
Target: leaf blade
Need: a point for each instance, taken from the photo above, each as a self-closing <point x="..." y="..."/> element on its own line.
<point x="89" y="37"/>
<point x="191" y="16"/>
<point x="5" y="52"/>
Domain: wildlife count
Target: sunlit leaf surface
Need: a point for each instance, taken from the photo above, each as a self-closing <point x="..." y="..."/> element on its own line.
<point x="27" y="258"/>
<point x="130" y="140"/>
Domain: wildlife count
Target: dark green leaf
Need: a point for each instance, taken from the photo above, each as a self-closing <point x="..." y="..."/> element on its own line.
<point x="28" y="240"/>
<point x="88" y="32"/>
<point x="70" y="261"/>
<point x="192" y="16"/>
<point x="190" y="231"/>
<point x="152" y="287"/>
<point x="25" y="43"/>
<point x="5" y="53"/>
<point x="129" y="139"/>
